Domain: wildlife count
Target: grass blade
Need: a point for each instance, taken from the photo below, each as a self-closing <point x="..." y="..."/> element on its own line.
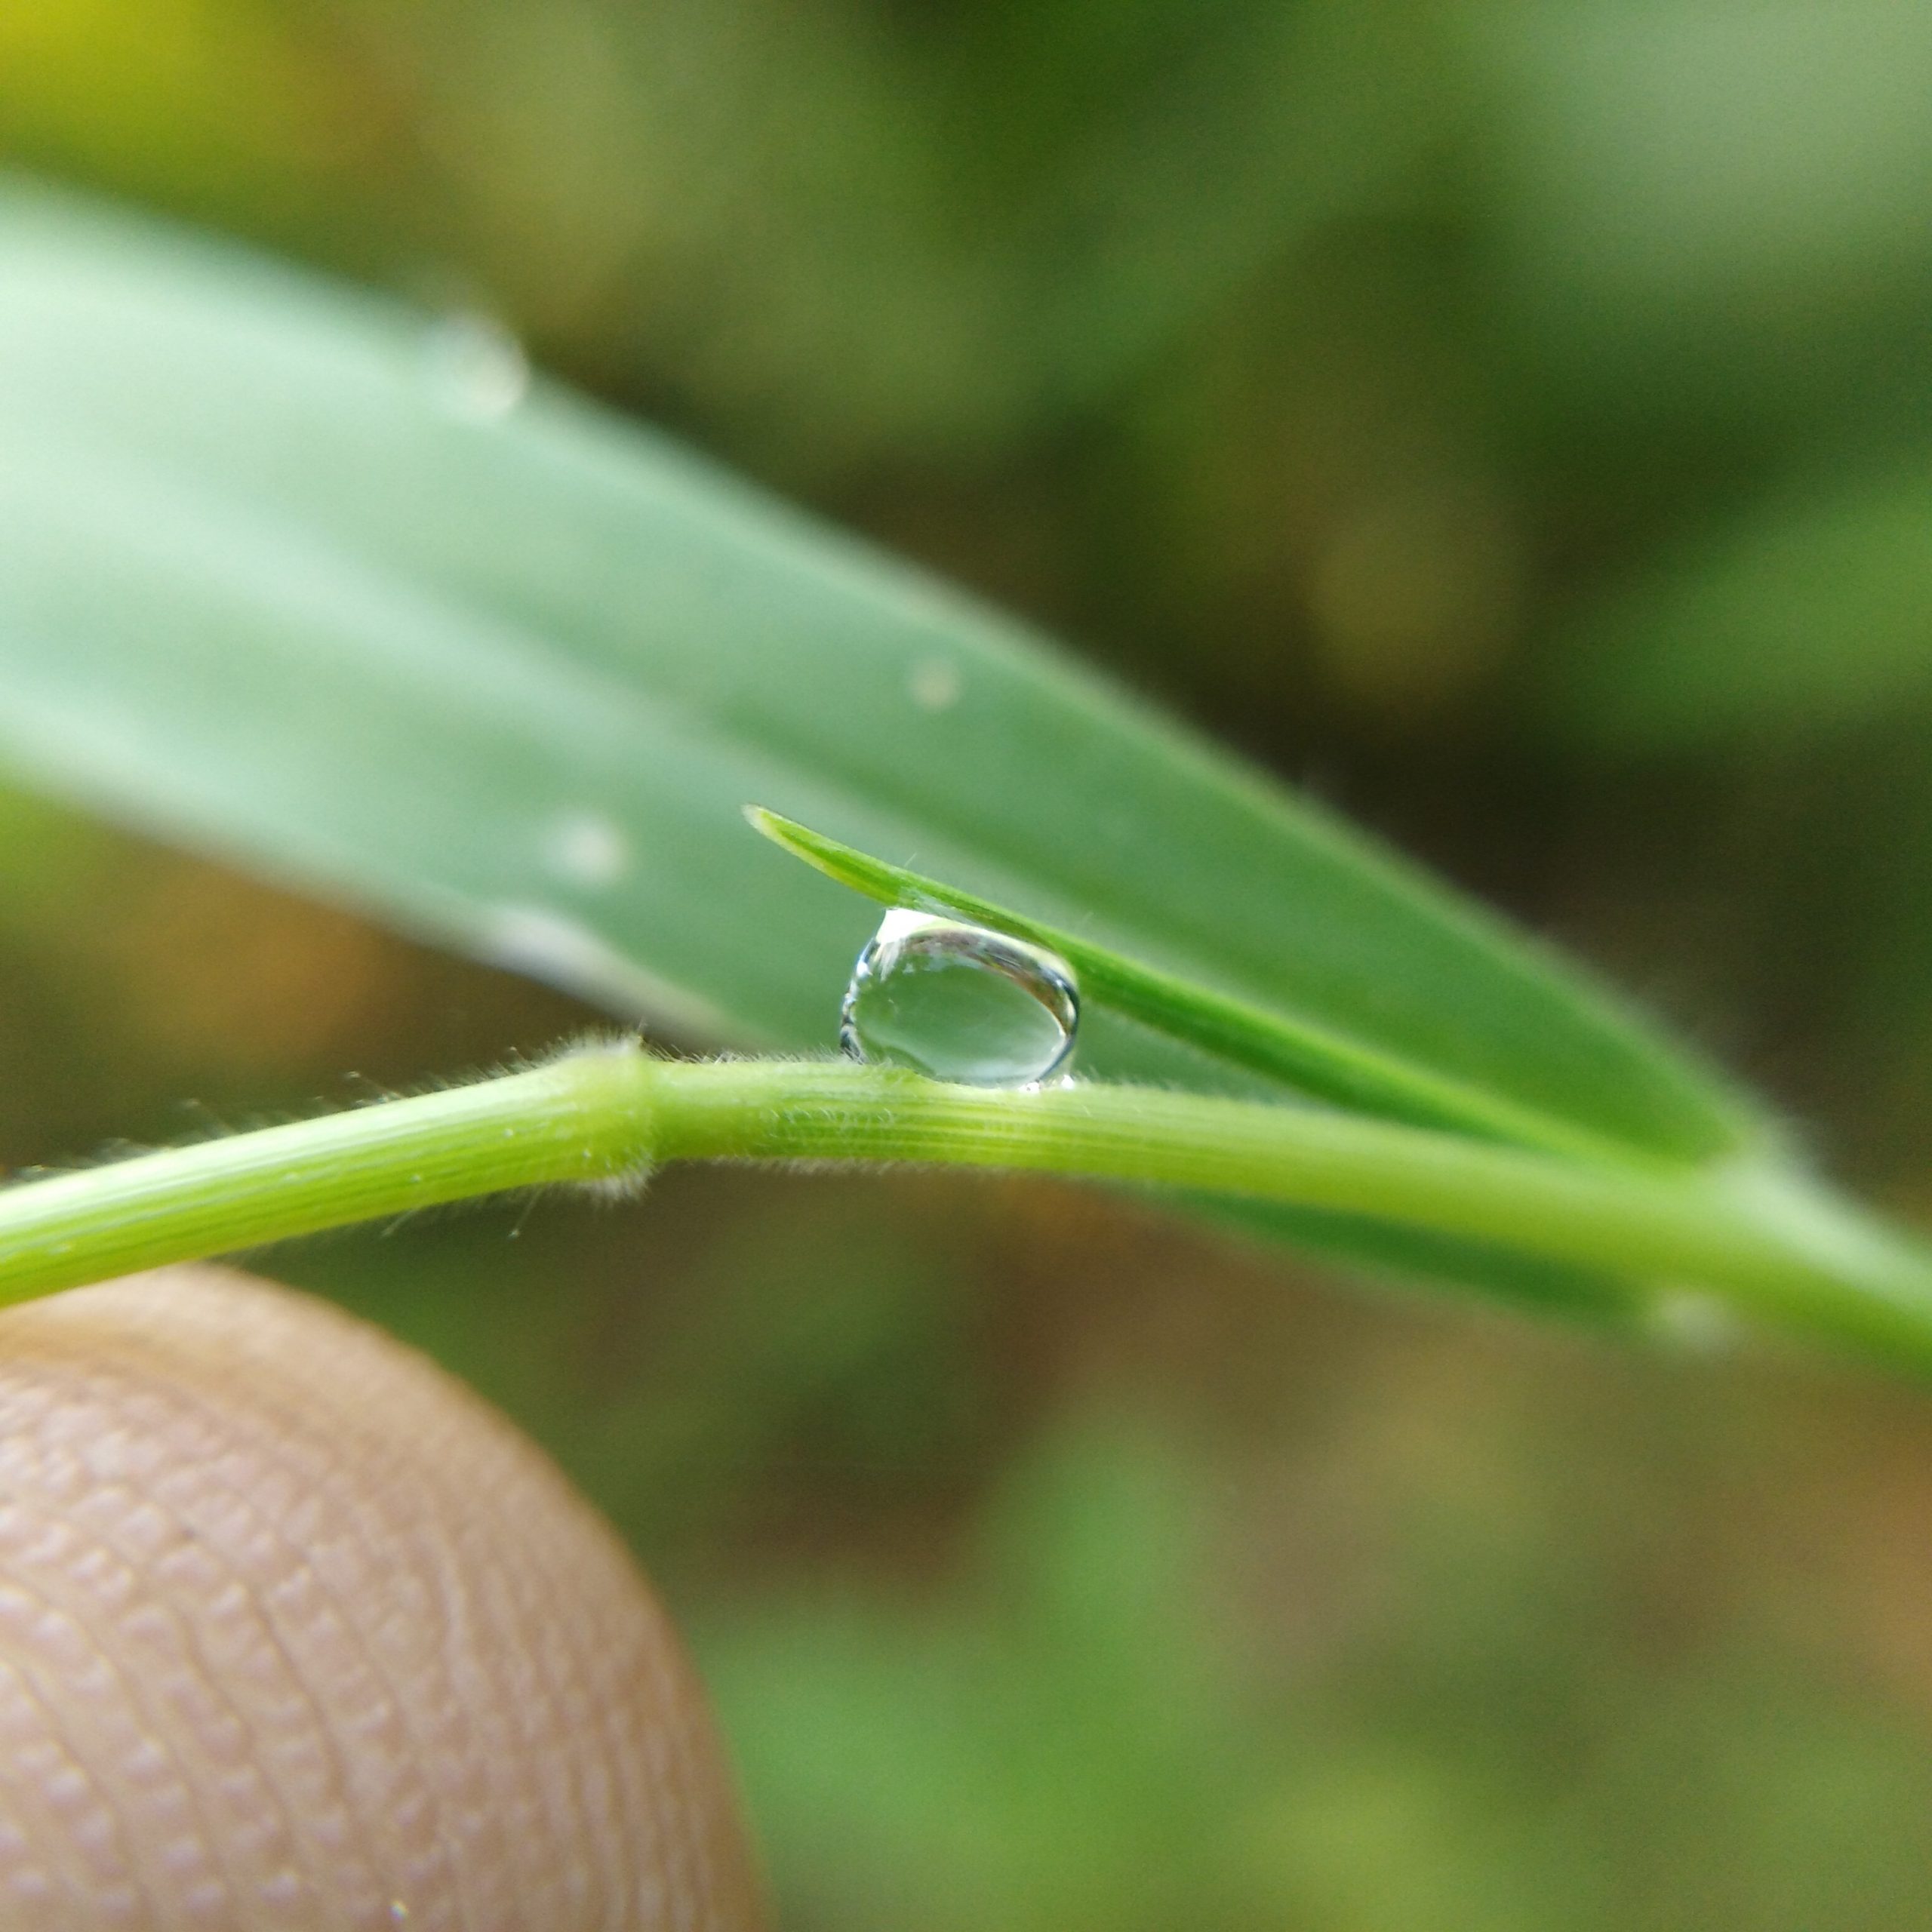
<point x="500" y="668"/>
<point x="1312" y="1060"/>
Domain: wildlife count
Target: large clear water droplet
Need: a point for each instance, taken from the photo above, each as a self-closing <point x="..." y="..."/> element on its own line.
<point x="960" y="1002"/>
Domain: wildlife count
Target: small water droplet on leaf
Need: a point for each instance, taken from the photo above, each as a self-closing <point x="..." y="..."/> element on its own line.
<point x="1693" y="1320"/>
<point x="935" y="684"/>
<point x="586" y="848"/>
<point x="477" y="367"/>
<point x="960" y="1002"/>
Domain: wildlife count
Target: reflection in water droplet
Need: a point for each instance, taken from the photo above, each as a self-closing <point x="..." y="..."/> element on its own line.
<point x="960" y="1002"/>
<point x="477" y="366"/>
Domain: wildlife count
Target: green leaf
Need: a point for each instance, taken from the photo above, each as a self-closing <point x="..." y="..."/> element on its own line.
<point x="1304" y="1058"/>
<point x="292" y="575"/>
<point x="1301" y="1054"/>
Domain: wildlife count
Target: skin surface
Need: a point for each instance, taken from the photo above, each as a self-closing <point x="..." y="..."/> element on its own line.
<point x="296" y="1632"/>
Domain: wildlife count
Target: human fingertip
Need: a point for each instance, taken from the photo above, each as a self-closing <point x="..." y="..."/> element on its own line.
<point x="296" y="1631"/>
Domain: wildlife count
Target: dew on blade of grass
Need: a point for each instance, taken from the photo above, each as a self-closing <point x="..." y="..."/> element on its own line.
<point x="960" y="1002"/>
<point x="934" y="685"/>
<point x="476" y="368"/>
<point x="1693" y="1320"/>
<point x="586" y="848"/>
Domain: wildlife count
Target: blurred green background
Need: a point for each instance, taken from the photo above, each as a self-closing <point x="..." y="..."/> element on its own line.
<point x="1512" y="420"/>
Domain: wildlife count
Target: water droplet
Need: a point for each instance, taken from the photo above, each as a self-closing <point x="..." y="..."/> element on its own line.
<point x="934" y="685"/>
<point x="1694" y="1321"/>
<point x="960" y="1002"/>
<point x="477" y="366"/>
<point x="587" y="849"/>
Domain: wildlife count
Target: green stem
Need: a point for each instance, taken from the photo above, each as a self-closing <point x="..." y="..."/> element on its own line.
<point x="576" y="1119"/>
<point x="1770" y="1244"/>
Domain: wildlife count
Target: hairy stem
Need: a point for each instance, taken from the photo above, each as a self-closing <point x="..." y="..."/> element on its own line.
<point x="1770" y="1243"/>
<point x="578" y="1118"/>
